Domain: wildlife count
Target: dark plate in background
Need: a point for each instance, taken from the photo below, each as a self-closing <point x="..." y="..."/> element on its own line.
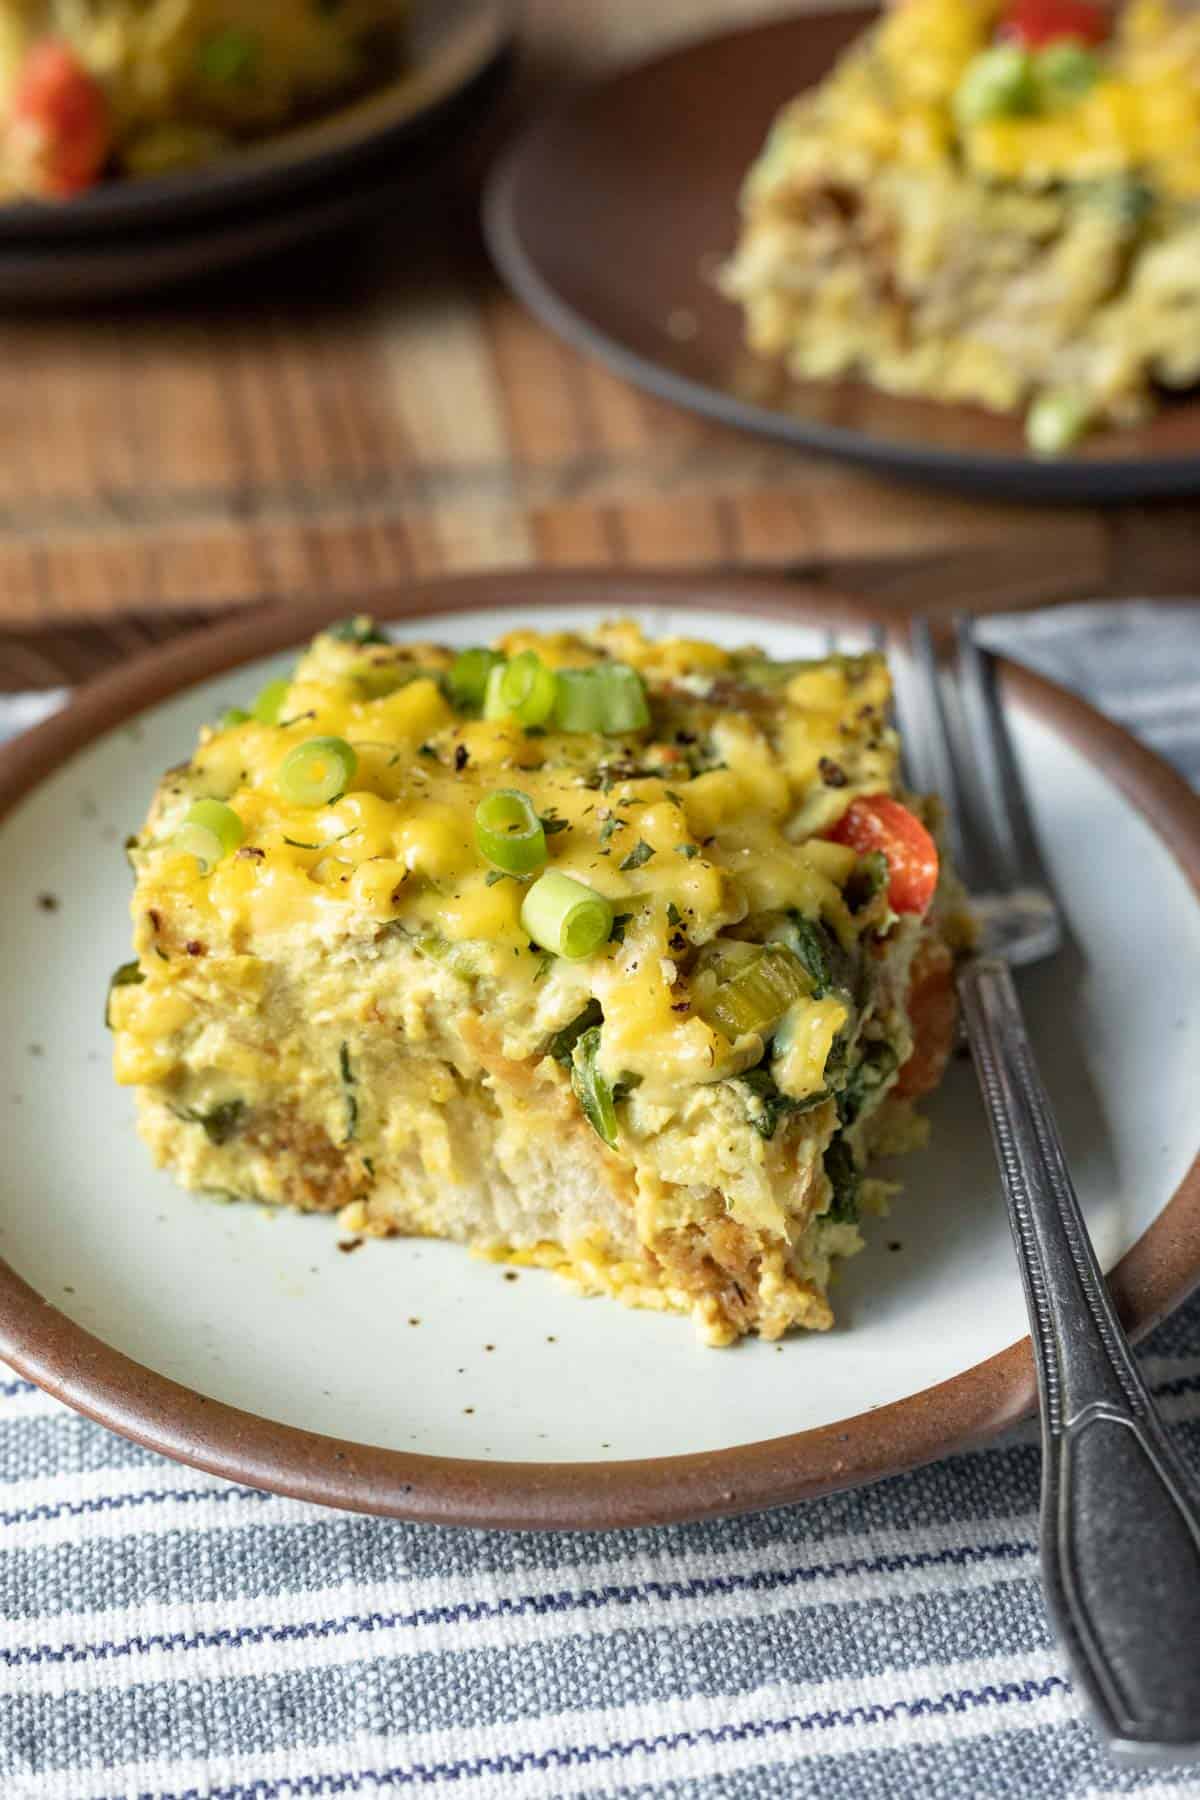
<point x="610" y="215"/>
<point x="403" y="179"/>
<point x="446" y="46"/>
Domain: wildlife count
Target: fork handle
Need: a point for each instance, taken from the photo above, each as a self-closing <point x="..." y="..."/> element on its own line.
<point x="1120" y="1521"/>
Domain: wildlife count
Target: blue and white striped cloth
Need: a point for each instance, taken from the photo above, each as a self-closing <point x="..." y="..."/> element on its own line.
<point x="170" y="1637"/>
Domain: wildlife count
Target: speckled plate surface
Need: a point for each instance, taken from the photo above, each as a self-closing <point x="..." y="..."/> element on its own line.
<point x="411" y="1379"/>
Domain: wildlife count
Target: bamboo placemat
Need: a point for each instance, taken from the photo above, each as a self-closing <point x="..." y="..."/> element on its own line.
<point x="351" y="416"/>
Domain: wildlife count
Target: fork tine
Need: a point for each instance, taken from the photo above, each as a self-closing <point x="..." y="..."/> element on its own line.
<point x="1012" y="828"/>
<point x="935" y="757"/>
<point x="918" y="753"/>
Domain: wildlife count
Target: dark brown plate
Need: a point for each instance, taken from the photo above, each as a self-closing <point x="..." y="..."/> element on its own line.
<point x="56" y="1336"/>
<point x="408" y="179"/>
<point x="609" y="216"/>
<point x="446" y="45"/>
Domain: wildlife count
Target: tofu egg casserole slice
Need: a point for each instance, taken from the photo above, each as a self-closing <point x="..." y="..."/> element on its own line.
<point x="613" y="956"/>
<point x="993" y="201"/>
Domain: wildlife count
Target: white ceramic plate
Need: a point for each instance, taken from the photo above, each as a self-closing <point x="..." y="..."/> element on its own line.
<point x="416" y="1347"/>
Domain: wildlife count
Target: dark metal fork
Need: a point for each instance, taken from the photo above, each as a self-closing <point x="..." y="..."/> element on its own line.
<point x="1120" y="1516"/>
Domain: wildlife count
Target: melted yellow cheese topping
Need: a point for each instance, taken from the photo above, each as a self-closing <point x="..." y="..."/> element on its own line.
<point x="892" y="100"/>
<point x="703" y="823"/>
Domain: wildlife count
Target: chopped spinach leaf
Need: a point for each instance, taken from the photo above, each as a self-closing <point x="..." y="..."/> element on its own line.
<point x="810" y="941"/>
<point x="219" y="1123"/>
<point x="593" y="1093"/>
<point x="878" y="1062"/>
<point x="771" y="1103"/>
<point x="868" y="878"/>
<point x="829" y="966"/>
<point x="844" y="1178"/>
<point x="562" y="1044"/>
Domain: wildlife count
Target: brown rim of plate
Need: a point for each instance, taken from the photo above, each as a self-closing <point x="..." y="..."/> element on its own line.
<point x="42" y="1344"/>
<point x="609" y="214"/>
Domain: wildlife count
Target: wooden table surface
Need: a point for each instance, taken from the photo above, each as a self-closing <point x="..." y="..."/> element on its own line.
<point x="337" y="421"/>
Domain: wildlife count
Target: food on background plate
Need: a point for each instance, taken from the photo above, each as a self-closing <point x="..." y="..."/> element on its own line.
<point x="141" y="87"/>
<point x="986" y="202"/>
<point x="613" y="956"/>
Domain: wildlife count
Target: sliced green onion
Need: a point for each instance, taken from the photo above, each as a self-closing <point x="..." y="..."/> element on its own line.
<point x="317" y="771"/>
<point x="579" y="704"/>
<point x="467" y="678"/>
<point x="233" y="715"/>
<point x="563" y="915"/>
<point x="509" y="832"/>
<point x="523" y="689"/>
<point x="227" y="56"/>
<point x="610" y="698"/>
<point x="210" y="831"/>
<point x="591" y="1090"/>
<point x="1056" y="420"/>
<point x="755" y="993"/>
<point x="270" y="701"/>
<point x="997" y="84"/>
<point x="1067" y="69"/>
<point x="625" y="707"/>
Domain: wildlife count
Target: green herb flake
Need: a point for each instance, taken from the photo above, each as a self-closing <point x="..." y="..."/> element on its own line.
<point x="688" y="850"/>
<point x="355" y="631"/>
<point x="128" y="975"/>
<point x="219" y="1123"/>
<point x="639" y="855"/>
<point x="674" y="916"/>
<point x="550" y="824"/>
<point x="349" y="1083"/>
<point x="617" y="934"/>
<point x="545" y="961"/>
